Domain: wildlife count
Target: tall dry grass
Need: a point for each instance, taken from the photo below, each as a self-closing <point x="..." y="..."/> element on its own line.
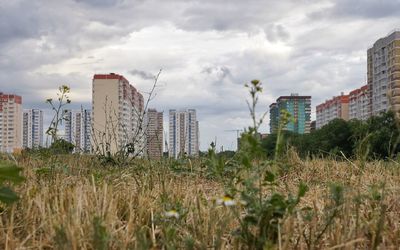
<point x="72" y="202"/>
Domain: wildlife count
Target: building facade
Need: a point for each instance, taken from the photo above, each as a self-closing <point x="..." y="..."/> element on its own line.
<point x="10" y="123"/>
<point x="299" y="108"/>
<point x="359" y="104"/>
<point x="118" y="115"/>
<point x="32" y="124"/>
<point x="273" y="117"/>
<point x="183" y="133"/>
<point x="154" y="134"/>
<point x="337" y="107"/>
<point x="78" y="129"/>
<point x="383" y="74"/>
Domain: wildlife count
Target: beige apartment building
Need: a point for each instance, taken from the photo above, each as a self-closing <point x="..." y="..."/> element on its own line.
<point x="337" y="107"/>
<point x="383" y="72"/>
<point x="117" y="115"/>
<point x="394" y="72"/>
<point x="10" y="123"/>
<point x="154" y="134"/>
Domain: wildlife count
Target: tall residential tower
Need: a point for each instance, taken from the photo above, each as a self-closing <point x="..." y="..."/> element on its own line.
<point x="299" y="108"/>
<point x="117" y="115"/>
<point x="10" y="122"/>
<point x="154" y="134"/>
<point x="78" y="129"/>
<point x="183" y="133"/>
<point x="32" y="128"/>
<point x="384" y="74"/>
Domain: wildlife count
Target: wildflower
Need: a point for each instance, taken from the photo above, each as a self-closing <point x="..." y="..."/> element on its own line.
<point x="226" y="201"/>
<point x="172" y="214"/>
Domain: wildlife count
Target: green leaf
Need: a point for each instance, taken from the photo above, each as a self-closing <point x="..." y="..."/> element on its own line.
<point x="269" y="176"/>
<point x="337" y="193"/>
<point x="250" y="219"/>
<point x="7" y="196"/>
<point x="246" y="161"/>
<point x="303" y="188"/>
<point x="10" y="172"/>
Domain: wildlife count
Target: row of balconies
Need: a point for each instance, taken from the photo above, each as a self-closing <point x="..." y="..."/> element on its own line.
<point x="396" y="100"/>
<point x="396" y="107"/>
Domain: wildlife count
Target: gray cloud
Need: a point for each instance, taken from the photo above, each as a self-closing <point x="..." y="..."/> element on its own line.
<point x="142" y="74"/>
<point x="100" y="3"/>
<point x="219" y="72"/>
<point x="18" y="21"/>
<point x="277" y="32"/>
<point x="369" y="9"/>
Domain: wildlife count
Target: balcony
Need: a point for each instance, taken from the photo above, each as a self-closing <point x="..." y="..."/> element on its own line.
<point x="395" y="84"/>
<point x="396" y="107"/>
<point x="396" y="100"/>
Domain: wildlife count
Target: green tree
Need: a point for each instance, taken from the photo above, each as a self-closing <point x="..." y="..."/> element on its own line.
<point x="61" y="146"/>
<point x="383" y="134"/>
<point x="334" y="138"/>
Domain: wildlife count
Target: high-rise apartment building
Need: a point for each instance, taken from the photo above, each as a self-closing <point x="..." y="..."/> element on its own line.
<point x="154" y="134"/>
<point x="383" y="73"/>
<point x="359" y="104"/>
<point x="117" y="120"/>
<point x="78" y="129"/>
<point x="274" y="114"/>
<point x="10" y="122"/>
<point x="183" y="133"/>
<point x="337" y="107"/>
<point x="32" y="128"/>
<point x="299" y="108"/>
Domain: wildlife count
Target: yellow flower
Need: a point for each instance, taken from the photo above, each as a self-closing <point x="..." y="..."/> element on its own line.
<point x="226" y="201"/>
<point x="172" y="214"/>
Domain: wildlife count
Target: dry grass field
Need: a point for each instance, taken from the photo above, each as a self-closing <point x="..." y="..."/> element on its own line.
<point x="73" y="202"/>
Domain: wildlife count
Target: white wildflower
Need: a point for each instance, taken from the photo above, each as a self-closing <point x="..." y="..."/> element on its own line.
<point x="226" y="201"/>
<point x="172" y="214"/>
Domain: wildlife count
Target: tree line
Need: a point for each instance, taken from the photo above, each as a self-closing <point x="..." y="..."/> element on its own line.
<point x="376" y="138"/>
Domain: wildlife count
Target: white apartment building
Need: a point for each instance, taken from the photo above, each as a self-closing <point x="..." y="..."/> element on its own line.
<point x="359" y="104"/>
<point x="32" y="128"/>
<point x="78" y="129"/>
<point x="10" y="123"/>
<point x="337" y="107"/>
<point x="384" y="72"/>
<point x="118" y="115"/>
<point x="183" y="133"/>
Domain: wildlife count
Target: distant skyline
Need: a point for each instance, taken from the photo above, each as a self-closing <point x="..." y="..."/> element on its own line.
<point x="207" y="49"/>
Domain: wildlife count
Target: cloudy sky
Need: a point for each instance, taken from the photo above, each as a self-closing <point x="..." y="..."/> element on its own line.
<point x="207" y="50"/>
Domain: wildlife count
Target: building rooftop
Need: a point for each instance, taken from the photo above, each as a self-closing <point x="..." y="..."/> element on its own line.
<point x="334" y="101"/>
<point x="293" y="97"/>
<point x="110" y="76"/>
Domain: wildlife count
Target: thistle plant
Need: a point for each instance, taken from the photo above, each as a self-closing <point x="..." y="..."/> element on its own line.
<point x="59" y="114"/>
<point x="255" y="89"/>
<point x="280" y="142"/>
<point x="260" y="209"/>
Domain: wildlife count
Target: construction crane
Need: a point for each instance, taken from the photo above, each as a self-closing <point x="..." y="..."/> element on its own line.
<point x="233" y="130"/>
<point x="237" y="134"/>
